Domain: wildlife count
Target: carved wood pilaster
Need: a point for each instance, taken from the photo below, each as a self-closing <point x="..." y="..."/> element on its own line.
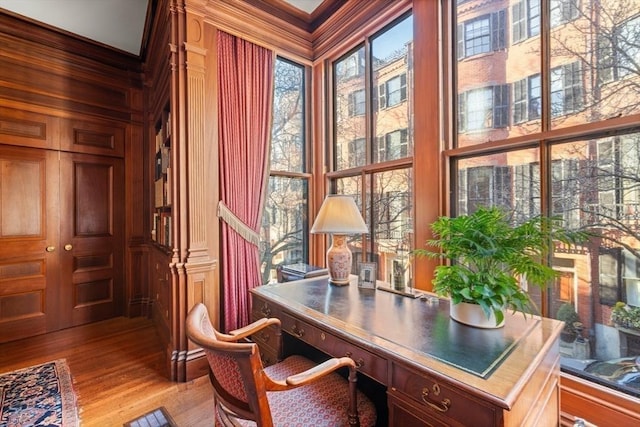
<point x="193" y="267"/>
<point x="196" y="150"/>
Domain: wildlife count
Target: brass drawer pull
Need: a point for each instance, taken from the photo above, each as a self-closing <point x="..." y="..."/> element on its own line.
<point x="297" y="332"/>
<point x="359" y="362"/>
<point x="442" y="406"/>
<point x="265" y="310"/>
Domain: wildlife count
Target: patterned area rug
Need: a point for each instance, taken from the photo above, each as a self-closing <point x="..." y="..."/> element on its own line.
<point x="40" y="395"/>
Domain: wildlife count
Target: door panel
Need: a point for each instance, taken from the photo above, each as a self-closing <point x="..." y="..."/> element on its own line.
<point x="28" y="226"/>
<point x="61" y="240"/>
<point x="91" y="238"/>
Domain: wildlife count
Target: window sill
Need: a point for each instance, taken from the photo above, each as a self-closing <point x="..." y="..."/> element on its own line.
<point x="596" y="404"/>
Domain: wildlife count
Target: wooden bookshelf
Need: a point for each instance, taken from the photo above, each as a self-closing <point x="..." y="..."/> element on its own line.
<point x="162" y="217"/>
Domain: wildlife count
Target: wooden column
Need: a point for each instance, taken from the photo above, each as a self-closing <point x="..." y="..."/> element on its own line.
<point x="194" y="260"/>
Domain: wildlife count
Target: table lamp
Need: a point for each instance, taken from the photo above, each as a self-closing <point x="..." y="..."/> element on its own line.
<point x="339" y="216"/>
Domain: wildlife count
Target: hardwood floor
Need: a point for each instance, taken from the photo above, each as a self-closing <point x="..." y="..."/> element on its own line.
<point x="118" y="372"/>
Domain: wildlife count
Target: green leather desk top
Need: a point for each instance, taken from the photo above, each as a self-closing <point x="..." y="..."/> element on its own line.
<point x="414" y="324"/>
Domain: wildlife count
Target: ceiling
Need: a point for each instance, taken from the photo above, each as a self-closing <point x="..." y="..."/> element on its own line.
<point x="116" y="23"/>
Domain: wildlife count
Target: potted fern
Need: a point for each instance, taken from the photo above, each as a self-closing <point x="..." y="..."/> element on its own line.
<point x="486" y="258"/>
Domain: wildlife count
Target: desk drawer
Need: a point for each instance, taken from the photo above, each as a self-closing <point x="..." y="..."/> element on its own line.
<point x="367" y="362"/>
<point x="267" y="337"/>
<point x="267" y="340"/>
<point x="261" y="308"/>
<point x="441" y="399"/>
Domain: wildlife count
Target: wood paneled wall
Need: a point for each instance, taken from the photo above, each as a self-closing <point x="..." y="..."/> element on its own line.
<point x="52" y="78"/>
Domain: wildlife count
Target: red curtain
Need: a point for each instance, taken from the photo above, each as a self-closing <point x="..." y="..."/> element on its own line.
<point x="245" y="81"/>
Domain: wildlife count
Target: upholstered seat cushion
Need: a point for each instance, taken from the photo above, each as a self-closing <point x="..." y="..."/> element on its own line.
<point x="322" y="404"/>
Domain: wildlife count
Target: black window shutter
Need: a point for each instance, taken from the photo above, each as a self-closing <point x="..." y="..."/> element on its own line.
<point x="502" y="186"/>
<point x="375" y="101"/>
<point x="498" y="29"/>
<point x="462" y="110"/>
<point x="500" y="106"/>
<point x="382" y="97"/>
<point x="404" y="149"/>
<point x="403" y="87"/>
<point x="605" y="60"/>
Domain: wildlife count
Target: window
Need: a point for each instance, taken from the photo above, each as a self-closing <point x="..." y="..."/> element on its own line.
<point x="606" y="178"/>
<point x="487" y="185"/>
<point x="564" y="191"/>
<point x="284" y="227"/>
<point x="381" y="187"/>
<point x="479" y="190"/>
<point x="357" y="150"/>
<point x="628" y="43"/>
<point x="619" y="51"/>
<point x="566" y="89"/>
<point x="603" y="43"/>
<point x="617" y="167"/>
<point x="484" y="108"/>
<point x="482" y="35"/>
<point x="349" y="105"/>
<point x="525" y="17"/>
<point x="563" y="11"/>
<point x="393" y="91"/>
<point x="352" y="66"/>
<point x="394" y="145"/>
<point x="526" y="99"/>
<point x="609" y="275"/>
<point x="629" y="164"/>
<point x="526" y="189"/>
<point x="631" y="278"/>
<point x="581" y="165"/>
<point x="356" y="103"/>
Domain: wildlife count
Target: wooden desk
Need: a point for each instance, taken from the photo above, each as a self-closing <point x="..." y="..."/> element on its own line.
<point x="437" y="372"/>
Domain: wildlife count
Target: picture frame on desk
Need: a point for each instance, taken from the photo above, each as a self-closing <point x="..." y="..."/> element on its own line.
<point x="367" y="275"/>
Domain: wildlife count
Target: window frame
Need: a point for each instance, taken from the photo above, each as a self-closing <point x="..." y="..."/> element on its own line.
<point x="383" y="99"/>
<point x="542" y="138"/>
<point x="305" y="175"/>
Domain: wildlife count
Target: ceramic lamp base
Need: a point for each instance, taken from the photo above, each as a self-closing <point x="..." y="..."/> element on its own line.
<point x="339" y="260"/>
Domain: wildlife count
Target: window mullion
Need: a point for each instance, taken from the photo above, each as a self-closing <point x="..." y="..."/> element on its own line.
<point x="545" y="61"/>
<point x="369" y="105"/>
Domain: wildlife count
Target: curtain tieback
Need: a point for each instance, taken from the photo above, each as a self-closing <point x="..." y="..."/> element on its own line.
<point x="237" y="224"/>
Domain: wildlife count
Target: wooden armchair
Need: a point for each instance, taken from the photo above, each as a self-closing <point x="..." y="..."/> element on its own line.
<point x="295" y="391"/>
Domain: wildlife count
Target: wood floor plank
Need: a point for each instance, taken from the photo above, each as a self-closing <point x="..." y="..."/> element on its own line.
<point x="118" y="374"/>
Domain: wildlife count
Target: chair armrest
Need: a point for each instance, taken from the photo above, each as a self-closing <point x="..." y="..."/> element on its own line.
<point x="320" y="371"/>
<point x="245" y="331"/>
<point x="311" y="375"/>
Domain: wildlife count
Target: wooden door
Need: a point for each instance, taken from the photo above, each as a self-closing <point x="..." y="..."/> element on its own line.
<point x="61" y="240"/>
<point x="29" y="265"/>
<point x="91" y="238"/>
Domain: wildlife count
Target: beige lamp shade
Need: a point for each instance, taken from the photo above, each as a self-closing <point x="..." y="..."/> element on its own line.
<point x="339" y="215"/>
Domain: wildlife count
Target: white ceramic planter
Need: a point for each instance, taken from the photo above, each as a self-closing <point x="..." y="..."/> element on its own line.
<point x="472" y="315"/>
